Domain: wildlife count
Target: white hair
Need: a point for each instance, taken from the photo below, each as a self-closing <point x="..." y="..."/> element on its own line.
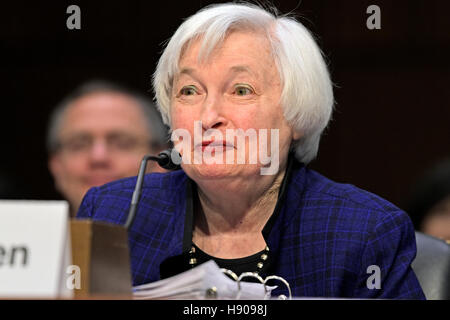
<point x="307" y="94"/>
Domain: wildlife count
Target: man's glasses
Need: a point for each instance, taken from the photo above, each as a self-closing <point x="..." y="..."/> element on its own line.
<point x="115" y="143"/>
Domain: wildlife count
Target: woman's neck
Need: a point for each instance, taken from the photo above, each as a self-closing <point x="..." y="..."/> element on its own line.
<point x="228" y="222"/>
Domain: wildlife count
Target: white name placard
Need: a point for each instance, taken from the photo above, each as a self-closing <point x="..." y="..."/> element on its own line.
<point x="35" y="249"/>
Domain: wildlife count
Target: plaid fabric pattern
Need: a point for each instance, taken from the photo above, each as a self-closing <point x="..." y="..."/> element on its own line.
<point x="324" y="240"/>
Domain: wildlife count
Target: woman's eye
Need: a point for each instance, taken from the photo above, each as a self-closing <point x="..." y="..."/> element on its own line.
<point x="188" y="91"/>
<point x="243" y="90"/>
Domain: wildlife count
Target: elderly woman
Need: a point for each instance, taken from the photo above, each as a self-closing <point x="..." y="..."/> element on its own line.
<point x="238" y="68"/>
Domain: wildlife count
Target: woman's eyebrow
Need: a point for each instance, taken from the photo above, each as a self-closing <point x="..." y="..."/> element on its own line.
<point x="242" y="68"/>
<point x="234" y="69"/>
<point x="232" y="72"/>
<point x="188" y="71"/>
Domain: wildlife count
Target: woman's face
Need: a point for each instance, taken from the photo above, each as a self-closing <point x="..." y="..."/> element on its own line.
<point x="237" y="87"/>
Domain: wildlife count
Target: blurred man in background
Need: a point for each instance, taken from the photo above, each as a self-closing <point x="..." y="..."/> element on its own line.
<point x="99" y="134"/>
<point x="429" y="201"/>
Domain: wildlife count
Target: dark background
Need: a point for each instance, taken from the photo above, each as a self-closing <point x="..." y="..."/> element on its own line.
<point x="392" y="91"/>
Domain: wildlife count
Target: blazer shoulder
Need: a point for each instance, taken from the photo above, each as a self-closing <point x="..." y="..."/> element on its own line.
<point x="164" y="181"/>
<point x="351" y="194"/>
<point x="352" y="206"/>
<point x="110" y="201"/>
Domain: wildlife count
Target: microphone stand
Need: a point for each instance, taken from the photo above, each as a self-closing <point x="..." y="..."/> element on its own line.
<point x="165" y="161"/>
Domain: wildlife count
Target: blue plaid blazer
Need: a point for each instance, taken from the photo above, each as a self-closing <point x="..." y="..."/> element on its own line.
<point x="325" y="236"/>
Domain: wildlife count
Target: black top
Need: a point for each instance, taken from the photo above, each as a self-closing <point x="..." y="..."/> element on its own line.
<point x="238" y="266"/>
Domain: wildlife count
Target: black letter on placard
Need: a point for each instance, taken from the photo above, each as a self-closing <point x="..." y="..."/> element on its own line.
<point x="74" y="21"/>
<point x="2" y="255"/>
<point x="24" y="255"/>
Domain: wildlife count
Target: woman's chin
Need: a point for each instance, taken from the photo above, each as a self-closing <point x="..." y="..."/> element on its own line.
<point x="217" y="171"/>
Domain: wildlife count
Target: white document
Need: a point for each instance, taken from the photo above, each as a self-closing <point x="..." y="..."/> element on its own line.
<point x="35" y="249"/>
<point x="206" y="281"/>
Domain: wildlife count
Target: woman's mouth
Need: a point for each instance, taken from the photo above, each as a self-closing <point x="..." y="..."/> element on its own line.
<point x="218" y="145"/>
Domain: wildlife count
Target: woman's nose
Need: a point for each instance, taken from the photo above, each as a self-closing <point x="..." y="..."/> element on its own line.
<point x="213" y="110"/>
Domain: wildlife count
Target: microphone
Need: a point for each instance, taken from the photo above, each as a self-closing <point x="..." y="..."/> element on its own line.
<point x="164" y="160"/>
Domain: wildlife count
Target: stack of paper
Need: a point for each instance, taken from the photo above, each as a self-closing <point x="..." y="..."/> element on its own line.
<point x="206" y="281"/>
